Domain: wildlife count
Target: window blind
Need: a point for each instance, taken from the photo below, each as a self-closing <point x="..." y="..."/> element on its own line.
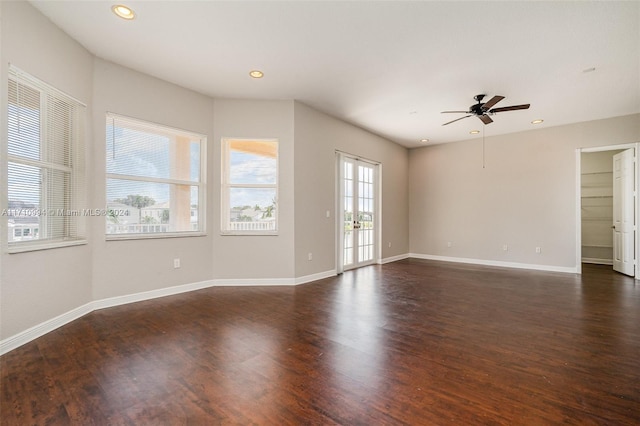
<point x="45" y="165"/>
<point x="155" y="179"/>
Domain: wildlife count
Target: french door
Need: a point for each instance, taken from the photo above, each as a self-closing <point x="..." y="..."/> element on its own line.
<point x="358" y="212"/>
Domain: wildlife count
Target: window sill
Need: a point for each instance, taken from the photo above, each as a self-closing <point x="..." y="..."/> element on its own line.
<point x="27" y="247"/>
<point x="123" y="237"/>
<point x="249" y="233"/>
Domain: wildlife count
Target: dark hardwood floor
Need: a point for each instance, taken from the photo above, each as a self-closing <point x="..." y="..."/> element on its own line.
<point x="412" y="342"/>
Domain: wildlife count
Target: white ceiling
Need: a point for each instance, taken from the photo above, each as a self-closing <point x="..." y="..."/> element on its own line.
<point x="389" y="67"/>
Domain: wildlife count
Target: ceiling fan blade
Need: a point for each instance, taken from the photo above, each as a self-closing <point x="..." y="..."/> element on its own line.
<point x="485" y="119"/>
<point x="457" y="119"/>
<point x="455" y="112"/>
<point x="510" y="108"/>
<point x="491" y="102"/>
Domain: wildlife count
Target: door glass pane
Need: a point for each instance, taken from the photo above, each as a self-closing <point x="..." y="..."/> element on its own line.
<point x="365" y="213"/>
<point x="359" y="193"/>
<point x="348" y="214"/>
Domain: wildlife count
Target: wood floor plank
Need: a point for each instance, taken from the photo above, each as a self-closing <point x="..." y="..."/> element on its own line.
<point x="410" y="342"/>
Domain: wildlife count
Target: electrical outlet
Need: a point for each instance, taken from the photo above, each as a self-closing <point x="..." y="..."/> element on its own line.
<point x="176" y="263"/>
<point x="505" y="247"/>
<point x="310" y="256"/>
<point x="328" y="213"/>
<point x="449" y="244"/>
<point x="538" y="250"/>
<point x="389" y="244"/>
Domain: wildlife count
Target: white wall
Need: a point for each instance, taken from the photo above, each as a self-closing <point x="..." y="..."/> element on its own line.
<point x="269" y="257"/>
<point x="525" y="197"/>
<point x="36" y="287"/>
<point x="40" y="285"/>
<point x="317" y="137"/>
<point x="133" y="266"/>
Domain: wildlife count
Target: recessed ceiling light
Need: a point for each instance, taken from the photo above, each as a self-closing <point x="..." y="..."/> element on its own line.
<point x="424" y="140"/>
<point x="256" y="74"/>
<point x="537" y="121"/>
<point x="474" y="132"/>
<point x="123" y="11"/>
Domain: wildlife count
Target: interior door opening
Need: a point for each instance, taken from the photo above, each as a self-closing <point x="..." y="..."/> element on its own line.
<point x="608" y="208"/>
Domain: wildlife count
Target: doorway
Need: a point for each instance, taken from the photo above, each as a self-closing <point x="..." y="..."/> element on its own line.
<point x="607" y="208"/>
<point x="358" y="218"/>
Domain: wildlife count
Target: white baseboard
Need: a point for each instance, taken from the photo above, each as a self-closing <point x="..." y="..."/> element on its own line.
<point x="252" y="282"/>
<point x="499" y="263"/>
<point x="393" y="258"/>
<point x="148" y="295"/>
<point x="11" y="343"/>
<point x="45" y="327"/>
<point x="596" y="261"/>
<point x="316" y="277"/>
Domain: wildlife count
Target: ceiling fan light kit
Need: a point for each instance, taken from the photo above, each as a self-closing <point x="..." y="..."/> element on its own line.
<point x="484" y="110"/>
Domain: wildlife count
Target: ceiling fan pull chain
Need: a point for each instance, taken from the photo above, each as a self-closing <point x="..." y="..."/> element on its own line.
<point x="483" y="160"/>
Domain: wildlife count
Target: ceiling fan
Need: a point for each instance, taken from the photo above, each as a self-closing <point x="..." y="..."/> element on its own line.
<point x="484" y="110"/>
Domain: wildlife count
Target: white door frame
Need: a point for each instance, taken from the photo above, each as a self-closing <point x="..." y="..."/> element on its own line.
<point x="377" y="220"/>
<point x="579" y="151"/>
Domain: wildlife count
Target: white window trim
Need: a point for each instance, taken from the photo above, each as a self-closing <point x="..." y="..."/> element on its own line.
<point x="226" y="186"/>
<point x="50" y="244"/>
<point x="77" y="172"/>
<point x="201" y="184"/>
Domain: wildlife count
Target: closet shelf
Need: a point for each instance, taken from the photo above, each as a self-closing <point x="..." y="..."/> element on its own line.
<point x="597" y="173"/>
<point x="596" y="185"/>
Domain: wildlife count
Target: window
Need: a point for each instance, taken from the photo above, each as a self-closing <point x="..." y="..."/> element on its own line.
<point x="45" y="165"/>
<point x="250" y="186"/>
<point x="155" y="180"/>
